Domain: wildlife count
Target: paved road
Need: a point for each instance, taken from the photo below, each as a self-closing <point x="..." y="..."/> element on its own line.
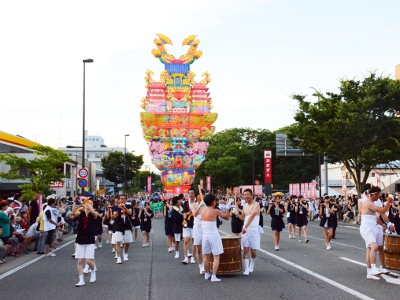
<point x="297" y="271"/>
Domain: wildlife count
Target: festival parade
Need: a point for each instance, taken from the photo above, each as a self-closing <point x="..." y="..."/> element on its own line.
<point x="258" y="159"/>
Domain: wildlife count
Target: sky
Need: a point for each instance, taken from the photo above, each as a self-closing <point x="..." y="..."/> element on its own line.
<point x="258" y="53"/>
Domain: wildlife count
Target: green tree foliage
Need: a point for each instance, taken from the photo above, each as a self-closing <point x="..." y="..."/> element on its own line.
<point x="358" y="126"/>
<point x="113" y="166"/>
<point x="42" y="170"/>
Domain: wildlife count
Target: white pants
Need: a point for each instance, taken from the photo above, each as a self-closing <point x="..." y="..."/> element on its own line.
<point x="84" y="251"/>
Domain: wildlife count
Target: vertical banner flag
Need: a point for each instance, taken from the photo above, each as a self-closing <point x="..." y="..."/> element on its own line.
<point x="313" y="189"/>
<point x="302" y="189"/>
<point x="149" y="184"/>
<point x="267" y="166"/>
<point x="378" y="179"/>
<point x="344" y="183"/>
<point x="290" y="189"/>
<point x="297" y="189"/>
<point x="208" y="183"/>
<point x="202" y="183"/>
<point x="306" y="190"/>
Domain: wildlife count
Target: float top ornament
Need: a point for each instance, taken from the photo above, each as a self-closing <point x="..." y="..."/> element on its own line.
<point x="177" y="122"/>
<point x="190" y="57"/>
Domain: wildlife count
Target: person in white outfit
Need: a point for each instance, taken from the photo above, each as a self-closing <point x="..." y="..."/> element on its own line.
<point x="211" y="240"/>
<point x="250" y="232"/>
<point x="370" y="231"/>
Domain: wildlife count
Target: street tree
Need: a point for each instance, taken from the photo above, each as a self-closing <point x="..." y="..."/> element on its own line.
<point x="113" y="166"/>
<point x="40" y="172"/>
<point x="358" y="126"/>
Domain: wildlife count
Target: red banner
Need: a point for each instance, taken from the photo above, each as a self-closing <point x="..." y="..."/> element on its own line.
<point x="202" y="183"/>
<point x="149" y="184"/>
<point x="267" y="166"/>
<point x="208" y="183"/>
<point x="291" y="189"/>
<point x="57" y="184"/>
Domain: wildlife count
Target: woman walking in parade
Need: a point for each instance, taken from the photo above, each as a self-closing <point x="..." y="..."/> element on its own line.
<point x="325" y="211"/>
<point x="236" y="222"/>
<point x="177" y="216"/>
<point x="291" y="217"/>
<point x="276" y="210"/>
<point x="301" y="209"/>
<point x="145" y="216"/>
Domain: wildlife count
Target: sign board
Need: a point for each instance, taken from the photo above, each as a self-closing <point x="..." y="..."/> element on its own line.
<point x="149" y="184"/>
<point x="267" y="166"/>
<point x="57" y="184"/>
<point x="208" y="183"/>
<point x="284" y="148"/>
<point x="82" y="183"/>
<point x="83" y="172"/>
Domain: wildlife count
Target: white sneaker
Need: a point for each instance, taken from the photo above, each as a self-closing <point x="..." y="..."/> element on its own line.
<point x="86" y="269"/>
<point x="251" y="267"/>
<point x="300" y="240"/>
<point x="51" y="254"/>
<point x="372" y="277"/>
<point x="207" y="276"/>
<point x="116" y="256"/>
<point x="185" y="261"/>
<point x="113" y="250"/>
<point x="93" y="276"/>
<point x="328" y="247"/>
<point x="290" y="236"/>
<point x="126" y="257"/>
<point x="189" y="254"/>
<point x="246" y="272"/>
<point x="170" y="249"/>
<point x="215" y="279"/>
<point x="80" y="283"/>
<point x="383" y="270"/>
<point x="100" y="245"/>
<point x="144" y="245"/>
<point x="375" y="272"/>
<point x="119" y="260"/>
<point x="276" y="248"/>
<point x="147" y="244"/>
<point x="192" y="261"/>
<point x="177" y="255"/>
<point x="107" y="242"/>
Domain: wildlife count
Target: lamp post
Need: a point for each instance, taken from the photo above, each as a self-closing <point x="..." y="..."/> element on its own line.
<point x="89" y="60"/>
<point x="125" y="164"/>
<point x="251" y="136"/>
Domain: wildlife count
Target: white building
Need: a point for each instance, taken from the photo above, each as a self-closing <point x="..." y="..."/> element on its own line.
<point x="381" y="175"/>
<point x="95" y="150"/>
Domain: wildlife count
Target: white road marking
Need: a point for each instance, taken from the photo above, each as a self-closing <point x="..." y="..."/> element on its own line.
<point x="386" y="277"/>
<point x="332" y="242"/>
<point x="314" y="274"/>
<point x="352" y="227"/>
<point x="31" y="262"/>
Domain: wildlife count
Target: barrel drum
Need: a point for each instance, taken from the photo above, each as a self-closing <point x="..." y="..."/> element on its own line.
<point x="231" y="260"/>
<point x="391" y="253"/>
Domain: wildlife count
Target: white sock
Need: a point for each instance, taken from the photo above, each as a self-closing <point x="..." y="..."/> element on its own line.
<point x="177" y="252"/>
<point x="246" y="264"/>
<point x="369" y="271"/>
<point x="252" y="260"/>
<point x="373" y="266"/>
<point x="81" y="279"/>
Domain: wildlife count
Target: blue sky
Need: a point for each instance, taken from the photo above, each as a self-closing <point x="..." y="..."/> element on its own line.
<point x="258" y="53"/>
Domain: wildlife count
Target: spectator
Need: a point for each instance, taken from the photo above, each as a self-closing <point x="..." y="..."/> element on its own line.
<point x="4" y="222"/>
<point x="33" y="211"/>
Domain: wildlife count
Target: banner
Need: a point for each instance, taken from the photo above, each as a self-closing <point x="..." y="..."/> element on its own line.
<point x="313" y="189"/>
<point x="378" y="179"/>
<point x="149" y="184"/>
<point x="306" y="190"/>
<point x="202" y="183"/>
<point x="208" y="183"/>
<point x="344" y="183"/>
<point x="302" y="190"/>
<point x="290" y="189"/>
<point x="267" y="166"/>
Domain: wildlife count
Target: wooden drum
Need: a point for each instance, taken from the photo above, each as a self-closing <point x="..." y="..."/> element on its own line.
<point x="391" y="253"/>
<point x="231" y="260"/>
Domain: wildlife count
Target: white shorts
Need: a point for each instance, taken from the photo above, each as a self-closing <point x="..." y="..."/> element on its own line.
<point x="136" y="227"/>
<point x="197" y="235"/>
<point x="188" y="232"/>
<point x="113" y="240"/>
<point x="125" y="238"/>
<point x="251" y="239"/>
<point x="212" y="243"/>
<point x="177" y="237"/>
<point x="379" y="236"/>
<point x="84" y="251"/>
<point x="369" y="234"/>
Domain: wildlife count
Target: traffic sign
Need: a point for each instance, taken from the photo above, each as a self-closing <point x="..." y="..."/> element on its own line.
<point x="83" y="172"/>
<point x="82" y="183"/>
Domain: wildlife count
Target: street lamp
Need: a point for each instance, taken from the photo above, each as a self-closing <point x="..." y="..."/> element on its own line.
<point x="251" y="136"/>
<point x="89" y="60"/>
<point x="125" y="164"/>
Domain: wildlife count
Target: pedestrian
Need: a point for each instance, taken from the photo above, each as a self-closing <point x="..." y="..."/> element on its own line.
<point x="177" y="215"/>
<point x="291" y="216"/>
<point x="211" y="240"/>
<point x="301" y="209"/>
<point x="197" y="209"/>
<point x="187" y="230"/>
<point x="325" y="211"/>
<point x="250" y="231"/>
<point x="33" y="210"/>
<point x="169" y="224"/>
<point x="85" y="239"/>
<point x="276" y="211"/>
<point x="50" y="217"/>
<point x="236" y="222"/>
<point x="145" y="216"/>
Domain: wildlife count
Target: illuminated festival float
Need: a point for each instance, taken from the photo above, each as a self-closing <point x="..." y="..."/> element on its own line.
<point x="177" y="122"/>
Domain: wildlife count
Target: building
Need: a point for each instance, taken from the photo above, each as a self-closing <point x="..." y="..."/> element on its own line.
<point x="381" y="175"/>
<point x="95" y="150"/>
<point x="19" y="146"/>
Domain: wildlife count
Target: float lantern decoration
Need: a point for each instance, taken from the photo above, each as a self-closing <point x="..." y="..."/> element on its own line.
<point x="177" y="122"/>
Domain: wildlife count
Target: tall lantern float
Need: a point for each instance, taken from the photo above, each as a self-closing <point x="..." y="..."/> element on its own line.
<point x="177" y="122"/>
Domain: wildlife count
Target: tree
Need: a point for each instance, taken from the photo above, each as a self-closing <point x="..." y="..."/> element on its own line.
<point x="41" y="171"/>
<point x="357" y="127"/>
<point x="113" y="166"/>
